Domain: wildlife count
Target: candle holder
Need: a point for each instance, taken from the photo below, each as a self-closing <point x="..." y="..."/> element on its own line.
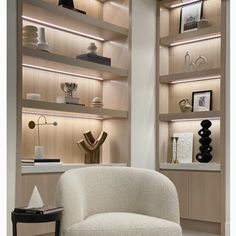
<point x="39" y="150"/>
<point x="174" y="157"/>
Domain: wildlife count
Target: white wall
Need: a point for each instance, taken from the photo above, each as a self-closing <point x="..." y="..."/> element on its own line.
<point x="11" y="107"/>
<point x="143" y="77"/>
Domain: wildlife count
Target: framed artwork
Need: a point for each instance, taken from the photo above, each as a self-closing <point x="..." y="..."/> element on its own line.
<point x="189" y="16"/>
<point x="182" y="147"/>
<point x="202" y="100"/>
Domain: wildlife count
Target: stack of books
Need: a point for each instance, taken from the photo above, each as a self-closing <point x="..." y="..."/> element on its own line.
<point x="33" y="162"/>
<point x="41" y="210"/>
<point x="95" y="58"/>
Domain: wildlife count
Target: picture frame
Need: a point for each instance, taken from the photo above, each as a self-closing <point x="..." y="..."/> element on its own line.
<point x="202" y="101"/>
<point x="190" y="15"/>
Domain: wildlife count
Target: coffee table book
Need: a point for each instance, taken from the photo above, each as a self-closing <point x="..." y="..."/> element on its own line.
<point x="41" y="210"/>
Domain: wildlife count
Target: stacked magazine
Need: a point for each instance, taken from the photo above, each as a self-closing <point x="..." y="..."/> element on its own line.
<point x="41" y="210"/>
<point x="33" y="162"/>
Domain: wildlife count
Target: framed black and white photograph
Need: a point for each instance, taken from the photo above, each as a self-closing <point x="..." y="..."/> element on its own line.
<point x="202" y="100"/>
<point x="190" y="15"/>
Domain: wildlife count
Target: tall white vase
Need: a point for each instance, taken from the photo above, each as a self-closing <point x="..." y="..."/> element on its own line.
<point x="42" y="43"/>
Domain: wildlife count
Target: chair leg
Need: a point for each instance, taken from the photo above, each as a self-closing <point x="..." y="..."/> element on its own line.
<point x="14" y="229"/>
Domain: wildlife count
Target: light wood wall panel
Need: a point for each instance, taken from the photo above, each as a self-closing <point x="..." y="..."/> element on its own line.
<point x="208" y="48"/>
<point x="163" y="142"/>
<point x="204" y="196"/>
<point x="211" y="12"/>
<point x="164" y="60"/>
<point x="165" y="17"/>
<point x="181" y="181"/>
<point x="177" y="92"/>
<point x="59" y="141"/>
<point x="117" y="12"/>
<point x="48" y="85"/>
<point x="92" y="7"/>
<point x="194" y="127"/>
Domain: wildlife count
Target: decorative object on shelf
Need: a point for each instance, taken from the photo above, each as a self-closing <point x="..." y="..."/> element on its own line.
<point x="185" y="105"/>
<point x="42" y="43"/>
<point x="96" y="102"/>
<point x="184" y="152"/>
<point x="95" y="58"/>
<point x="68" y="89"/>
<point x="202" y="100"/>
<point x="69" y="4"/>
<point x="39" y="150"/>
<point x="35" y="199"/>
<point x="30" y="36"/>
<point x="203" y="23"/>
<point x="33" y="96"/>
<point x="174" y="141"/>
<point x="190" y="16"/>
<point x="200" y="63"/>
<point x="205" y="148"/>
<point x="91" y="147"/>
<point x="92" y="48"/>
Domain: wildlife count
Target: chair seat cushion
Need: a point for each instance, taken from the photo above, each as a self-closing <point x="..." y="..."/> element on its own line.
<point x="123" y="224"/>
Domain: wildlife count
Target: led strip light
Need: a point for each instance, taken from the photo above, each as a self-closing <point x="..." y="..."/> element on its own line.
<point x="183" y="3"/>
<point x="44" y="23"/>
<point x="61" y="72"/>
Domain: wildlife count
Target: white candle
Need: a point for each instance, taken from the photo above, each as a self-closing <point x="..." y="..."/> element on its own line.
<point x="39" y="152"/>
<point x="33" y="96"/>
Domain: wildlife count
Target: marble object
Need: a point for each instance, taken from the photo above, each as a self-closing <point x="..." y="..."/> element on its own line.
<point x="35" y="199"/>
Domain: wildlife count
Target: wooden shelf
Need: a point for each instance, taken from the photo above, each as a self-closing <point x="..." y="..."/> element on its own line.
<point x="69" y="19"/>
<point x="30" y="106"/>
<point x="169" y="3"/>
<point x="191" y="166"/>
<point x="59" y="168"/>
<point x="190" y="37"/>
<point x="189" y="116"/>
<point x="191" y="76"/>
<point x="71" y="65"/>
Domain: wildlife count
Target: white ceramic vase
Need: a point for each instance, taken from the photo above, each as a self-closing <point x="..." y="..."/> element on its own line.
<point x="42" y="43"/>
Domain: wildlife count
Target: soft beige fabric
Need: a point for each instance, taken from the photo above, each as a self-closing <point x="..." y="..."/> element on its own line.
<point x="123" y="224"/>
<point x="89" y="191"/>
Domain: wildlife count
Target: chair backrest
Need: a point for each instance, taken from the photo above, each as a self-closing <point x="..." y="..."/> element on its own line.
<point x="87" y="191"/>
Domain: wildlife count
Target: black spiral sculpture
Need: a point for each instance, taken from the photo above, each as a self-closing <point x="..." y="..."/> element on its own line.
<point x="205" y="148"/>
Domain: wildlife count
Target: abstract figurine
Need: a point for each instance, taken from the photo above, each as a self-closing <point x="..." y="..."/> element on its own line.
<point x="91" y="147"/>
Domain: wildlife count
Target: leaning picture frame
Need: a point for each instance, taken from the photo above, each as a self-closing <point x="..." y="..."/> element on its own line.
<point x="190" y="15"/>
<point x="202" y="100"/>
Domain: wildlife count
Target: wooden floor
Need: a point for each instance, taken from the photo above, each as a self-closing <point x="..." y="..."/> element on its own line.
<point x="195" y="233"/>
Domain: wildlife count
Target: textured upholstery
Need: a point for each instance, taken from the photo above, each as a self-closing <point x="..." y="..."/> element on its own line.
<point x="113" y="200"/>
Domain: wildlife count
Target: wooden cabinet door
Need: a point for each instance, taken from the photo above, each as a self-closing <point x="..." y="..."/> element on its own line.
<point x="180" y="180"/>
<point x="204" y="196"/>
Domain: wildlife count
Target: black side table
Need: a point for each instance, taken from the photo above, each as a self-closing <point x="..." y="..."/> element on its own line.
<point x="19" y="217"/>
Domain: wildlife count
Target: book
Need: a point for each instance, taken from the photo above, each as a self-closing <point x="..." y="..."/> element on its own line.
<point x="40" y="160"/>
<point x="95" y="58"/>
<point x="41" y="210"/>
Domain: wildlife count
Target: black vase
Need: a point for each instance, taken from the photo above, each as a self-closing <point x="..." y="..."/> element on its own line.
<point x="205" y="148"/>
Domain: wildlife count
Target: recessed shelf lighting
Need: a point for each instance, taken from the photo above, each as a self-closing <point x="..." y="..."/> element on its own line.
<point x="183" y="3"/>
<point x="196" y="79"/>
<point x="195" y="40"/>
<point x="44" y="23"/>
<point x="61" y="72"/>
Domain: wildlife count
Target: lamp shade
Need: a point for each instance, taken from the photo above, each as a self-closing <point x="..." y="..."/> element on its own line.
<point x="68" y="3"/>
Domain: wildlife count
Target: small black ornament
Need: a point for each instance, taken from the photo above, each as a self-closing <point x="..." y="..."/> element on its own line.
<point x="66" y="3"/>
<point x="205" y="148"/>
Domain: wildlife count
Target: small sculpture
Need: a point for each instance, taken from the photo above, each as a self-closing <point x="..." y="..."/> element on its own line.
<point x="91" y="147"/>
<point x="42" y="43"/>
<point x="185" y="106"/>
<point x="68" y="88"/>
<point x="30" y="36"/>
<point x="96" y="102"/>
<point x="193" y="65"/>
<point x="175" y="154"/>
<point x="35" y="199"/>
<point x="92" y="48"/>
<point x="205" y="148"/>
<point x="203" y="23"/>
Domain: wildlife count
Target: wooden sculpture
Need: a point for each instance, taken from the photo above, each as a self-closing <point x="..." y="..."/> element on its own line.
<point x="91" y="147"/>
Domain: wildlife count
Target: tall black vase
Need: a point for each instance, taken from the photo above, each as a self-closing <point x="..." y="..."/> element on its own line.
<point x="205" y="147"/>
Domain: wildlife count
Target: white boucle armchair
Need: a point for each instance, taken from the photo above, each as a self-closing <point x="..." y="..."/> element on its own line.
<point x="117" y="201"/>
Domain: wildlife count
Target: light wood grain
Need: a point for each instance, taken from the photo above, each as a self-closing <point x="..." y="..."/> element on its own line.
<point x="204" y="196"/>
<point x="181" y="182"/>
<point x="165" y="17"/>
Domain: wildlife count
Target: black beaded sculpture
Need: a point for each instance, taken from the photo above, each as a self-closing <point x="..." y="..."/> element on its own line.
<point x="205" y="148"/>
